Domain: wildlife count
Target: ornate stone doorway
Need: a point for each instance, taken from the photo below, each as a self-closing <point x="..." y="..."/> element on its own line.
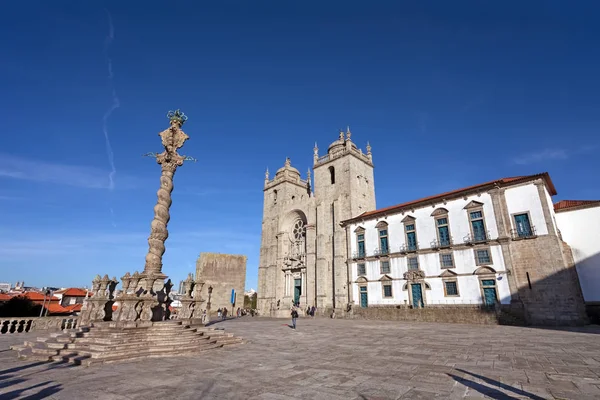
<point x="294" y="262"/>
<point x="297" y="290"/>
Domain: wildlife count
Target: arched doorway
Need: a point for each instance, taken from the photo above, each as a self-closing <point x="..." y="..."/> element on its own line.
<point x="294" y="264"/>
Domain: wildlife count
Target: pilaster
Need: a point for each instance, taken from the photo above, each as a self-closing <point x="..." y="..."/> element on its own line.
<point x="502" y="217"/>
<point x="311" y="263"/>
<point x="545" y="207"/>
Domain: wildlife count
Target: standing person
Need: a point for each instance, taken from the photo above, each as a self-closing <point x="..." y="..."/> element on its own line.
<point x="219" y="313"/>
<point x="225" y="313"/>
<point x="312" y="311"/>
<point x="294" y="317"/>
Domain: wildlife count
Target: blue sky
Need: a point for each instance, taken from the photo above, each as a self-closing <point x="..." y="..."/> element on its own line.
<point x="449" y="94"/>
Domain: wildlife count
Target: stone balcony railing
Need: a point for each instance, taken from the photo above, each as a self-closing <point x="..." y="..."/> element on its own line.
<point x="31" y="324"/>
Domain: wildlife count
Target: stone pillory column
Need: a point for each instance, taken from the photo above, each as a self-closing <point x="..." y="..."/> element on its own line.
<point x="173" y="139"/>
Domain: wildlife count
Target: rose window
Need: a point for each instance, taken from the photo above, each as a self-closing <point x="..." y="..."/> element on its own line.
<point x="299" y="230"/>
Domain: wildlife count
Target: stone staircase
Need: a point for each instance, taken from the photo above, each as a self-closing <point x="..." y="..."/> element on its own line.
<point x="105" y="343"/>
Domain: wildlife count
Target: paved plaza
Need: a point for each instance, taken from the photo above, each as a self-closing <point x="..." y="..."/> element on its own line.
<point x="336" y="359"/>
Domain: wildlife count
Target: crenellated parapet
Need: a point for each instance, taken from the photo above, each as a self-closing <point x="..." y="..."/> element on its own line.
<point x="287" y="173"/>
<point x="340" y="148"/>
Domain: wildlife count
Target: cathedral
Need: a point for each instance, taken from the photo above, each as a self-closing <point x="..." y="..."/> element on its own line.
<point x="325" y="244"/>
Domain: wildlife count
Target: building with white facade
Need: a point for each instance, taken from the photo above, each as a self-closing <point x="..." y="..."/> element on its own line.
<point x="578" y="221"/>
<point x="495" y="243"/>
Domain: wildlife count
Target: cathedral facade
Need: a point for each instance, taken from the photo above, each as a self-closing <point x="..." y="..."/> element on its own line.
<point x="494" y="244"/>
<point x="303" y="250"/>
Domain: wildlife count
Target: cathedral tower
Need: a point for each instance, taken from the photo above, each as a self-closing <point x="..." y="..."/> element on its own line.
<point x="303" y="248"/>
<point x="344" y="188"/>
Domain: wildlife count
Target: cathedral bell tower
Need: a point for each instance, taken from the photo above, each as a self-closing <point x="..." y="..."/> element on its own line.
<point x="344" y="188"/>
<point x="288" y="242"/>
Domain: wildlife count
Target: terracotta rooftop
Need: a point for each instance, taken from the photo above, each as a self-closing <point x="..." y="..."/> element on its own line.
<point x="55" y="308"/>
<point x="5" y="297"/>
<point x="73" y="292"/>
<point x="454" y="193"/>
<point x="565" y="205"/>
<point x="37" y="296"/>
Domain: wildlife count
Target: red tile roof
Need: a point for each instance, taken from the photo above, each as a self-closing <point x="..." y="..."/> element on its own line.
<point x="565" y="205"/>
<point x="37" y="296"/>
<point x="500" y="182"/>
<point x="74" y="307"/>
<point x="54" y="308"/>
<point x="5" y="297"/>
<point x="73" y="292"/>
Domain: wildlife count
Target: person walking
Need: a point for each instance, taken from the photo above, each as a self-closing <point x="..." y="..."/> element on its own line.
<point x="294" y="317"/>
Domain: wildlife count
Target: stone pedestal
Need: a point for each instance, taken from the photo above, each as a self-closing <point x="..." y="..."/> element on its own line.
<point x="99" y="306"/>
<point x="191" y="303"/>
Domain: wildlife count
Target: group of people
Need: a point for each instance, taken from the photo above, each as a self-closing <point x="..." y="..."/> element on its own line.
<point x="240" y="312"/>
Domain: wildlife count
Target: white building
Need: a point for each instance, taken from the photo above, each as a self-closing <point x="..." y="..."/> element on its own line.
<point x="578" y="222"/>
<point x="496" y="242"/>
<point x="325" y="243"/>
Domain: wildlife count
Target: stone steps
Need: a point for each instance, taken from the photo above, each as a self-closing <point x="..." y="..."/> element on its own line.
<point x="106" y="343"/>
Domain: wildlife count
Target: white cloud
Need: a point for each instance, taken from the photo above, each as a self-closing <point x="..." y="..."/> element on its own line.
<point x="26" y="244"/>
<point x="540" y="156"/>
<point x="63" y="174"/>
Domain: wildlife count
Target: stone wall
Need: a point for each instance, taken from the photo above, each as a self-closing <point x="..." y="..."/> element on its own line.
<point x="455" y="315"/>
<point x="547" y="282"/>
<point x="222" y="272"/>
<point x="31" y="324"/>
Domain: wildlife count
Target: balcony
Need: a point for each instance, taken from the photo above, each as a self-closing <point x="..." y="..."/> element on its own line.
<point x="381" y="252"/>
<point x="409" y="248"/>
<point x="480" y="237"/>
<point x="523" y="233"/>
<point x="441" y="244"/>
<point x="358" y="254"/>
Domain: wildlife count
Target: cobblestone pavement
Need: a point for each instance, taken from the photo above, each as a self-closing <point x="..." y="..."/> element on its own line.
<point x="336" y="359"/>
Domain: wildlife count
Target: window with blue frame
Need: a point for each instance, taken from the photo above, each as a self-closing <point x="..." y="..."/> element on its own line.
<point x="413" y="263"/>
<point x="451" y="288"/>
<point x="411" y="236"/>
<point x="482" y="256"/>
<point x="361" y="269"/>
<point x="385" y="267"/>
<point x="523" y="225"/>
<point x="443" y="231"/>
<point x="446" y="260"/>
<point x="387" y="290"/>
<point x="383" y="241"/>
<point x="478" y="226"/>
<point x="361" y="244"/>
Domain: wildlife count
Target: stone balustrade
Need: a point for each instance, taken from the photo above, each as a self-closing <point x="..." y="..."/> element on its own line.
<point x="31" y="324"/>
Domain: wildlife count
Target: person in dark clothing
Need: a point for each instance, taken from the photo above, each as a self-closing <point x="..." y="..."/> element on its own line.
<point x="294" y="317"/>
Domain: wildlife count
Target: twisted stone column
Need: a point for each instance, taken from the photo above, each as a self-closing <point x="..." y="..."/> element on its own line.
<point x="158" y="230"/>
<point x="173" y="138"/>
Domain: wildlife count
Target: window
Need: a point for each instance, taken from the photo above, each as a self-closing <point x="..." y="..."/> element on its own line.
<point x="361" y="244"/>
<point x="383" y="241"/>
<point x="275" y="196"/>
<point x="411" y="236"/>
<point x="446" y="260"/>
<point x="482" y="256"/>
<point x="523" y="226"/>
<point x="413" y="263"/>
<point x="385" y="267"/>
<point x="387" y="290"/>
<point x="443" y="231"/>
<point x="362" y="270"/>
<point x="477" y="226"/>
<point x="450" y="288"/>
<point x="332" y="174"/>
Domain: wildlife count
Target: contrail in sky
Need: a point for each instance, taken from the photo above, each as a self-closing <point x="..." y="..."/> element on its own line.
<point x="115" y="103"/>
